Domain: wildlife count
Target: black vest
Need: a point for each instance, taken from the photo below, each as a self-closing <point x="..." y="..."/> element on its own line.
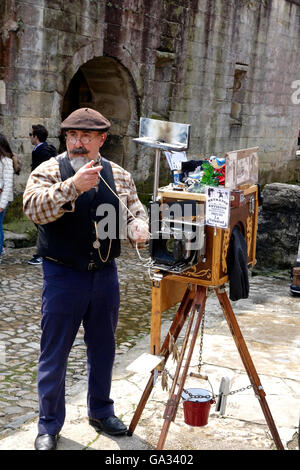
<point x="69" y="239"/>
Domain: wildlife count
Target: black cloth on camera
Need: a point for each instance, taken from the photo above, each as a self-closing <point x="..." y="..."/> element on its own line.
<point x="237" y="264"/>
<point x="191" y="166"/>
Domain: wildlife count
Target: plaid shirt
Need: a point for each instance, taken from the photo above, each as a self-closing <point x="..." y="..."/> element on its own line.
<point x="46" y="194"/>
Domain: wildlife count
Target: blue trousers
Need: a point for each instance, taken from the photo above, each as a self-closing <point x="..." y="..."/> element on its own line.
<point x="2" y="214"/>
<point x="69" y="298"/>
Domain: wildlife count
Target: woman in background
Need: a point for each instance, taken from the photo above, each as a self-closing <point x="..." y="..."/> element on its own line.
<point x="6" y="182"/>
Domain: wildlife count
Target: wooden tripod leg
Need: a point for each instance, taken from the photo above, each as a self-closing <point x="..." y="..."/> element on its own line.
<point x="173" y="402"/>
<point x="141" y="405"/>
<point x="178" y="321"/>
<point x="248" y="364"/>
<point x="175" y="329"/>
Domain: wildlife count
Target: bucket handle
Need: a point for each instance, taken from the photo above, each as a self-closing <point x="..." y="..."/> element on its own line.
<point x="212" y="398"/>
<point x="204" y="377"/>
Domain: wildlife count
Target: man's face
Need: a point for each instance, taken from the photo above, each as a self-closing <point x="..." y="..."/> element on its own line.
<point x="84" y="143"/>
<point x="33" y="139"/>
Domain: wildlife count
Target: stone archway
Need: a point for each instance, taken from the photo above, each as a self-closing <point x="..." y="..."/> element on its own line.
<point x="104" y="84"/>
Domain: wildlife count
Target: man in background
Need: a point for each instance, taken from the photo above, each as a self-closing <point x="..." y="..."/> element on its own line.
<point x="42" y="151"/>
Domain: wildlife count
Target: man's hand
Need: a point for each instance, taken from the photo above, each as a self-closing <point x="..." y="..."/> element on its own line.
<point x="139" y="231"/>
<point x="87" y="177"/>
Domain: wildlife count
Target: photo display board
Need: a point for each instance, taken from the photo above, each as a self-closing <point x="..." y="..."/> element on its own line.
<point x="241" y="168"/>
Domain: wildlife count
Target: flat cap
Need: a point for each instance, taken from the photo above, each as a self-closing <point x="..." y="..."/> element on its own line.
<point x="86" y="119"/>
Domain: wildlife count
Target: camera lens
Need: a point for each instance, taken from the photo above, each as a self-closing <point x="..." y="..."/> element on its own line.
<point x="170" y="245"/>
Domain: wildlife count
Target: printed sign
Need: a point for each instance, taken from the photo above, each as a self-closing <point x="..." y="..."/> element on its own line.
<point x="175" y="159"/>
<point x="217" y="206"/>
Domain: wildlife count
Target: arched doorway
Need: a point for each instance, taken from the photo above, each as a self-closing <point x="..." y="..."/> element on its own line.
<point x="105" y="85"/>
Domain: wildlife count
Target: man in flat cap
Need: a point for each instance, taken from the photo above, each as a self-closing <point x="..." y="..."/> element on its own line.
<point x="66" y="196"/>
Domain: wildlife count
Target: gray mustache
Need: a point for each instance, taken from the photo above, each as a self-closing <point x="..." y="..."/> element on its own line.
<point x="80" y="150"/>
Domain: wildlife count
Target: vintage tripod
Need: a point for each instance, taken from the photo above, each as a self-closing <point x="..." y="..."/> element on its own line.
<point x="192" y="307"/>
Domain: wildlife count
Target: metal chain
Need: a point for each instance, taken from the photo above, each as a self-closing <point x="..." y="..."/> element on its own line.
<point x="201" y="343"/>
<point x="242" y="389"/>
<point x="239" y="390"/>
<point x="216" y="396"/>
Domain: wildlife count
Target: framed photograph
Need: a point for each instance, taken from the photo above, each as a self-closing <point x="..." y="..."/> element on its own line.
<point x="241" y="167"/>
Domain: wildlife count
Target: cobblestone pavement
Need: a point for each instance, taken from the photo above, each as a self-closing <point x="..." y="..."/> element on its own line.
<point x="269" y="320"/>
<point x="20" y="305"/>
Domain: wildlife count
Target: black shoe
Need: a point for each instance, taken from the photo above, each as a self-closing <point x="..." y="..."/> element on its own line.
<point x="46" y="442"/>
<point x="295" y="290"/>
<point x="35" y="261"/>
<point x="110" y="425"/>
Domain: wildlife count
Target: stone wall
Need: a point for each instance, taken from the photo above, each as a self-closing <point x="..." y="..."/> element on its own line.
<point x="247" y="62"/>
<point x="227" y="67"/>
<point x="278" y="233"/>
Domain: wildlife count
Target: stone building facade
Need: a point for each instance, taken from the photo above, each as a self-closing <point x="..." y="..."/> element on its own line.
<point x="230" y="68"/>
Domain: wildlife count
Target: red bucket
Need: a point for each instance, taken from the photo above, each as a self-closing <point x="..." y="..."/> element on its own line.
<point x="196" y="410"/>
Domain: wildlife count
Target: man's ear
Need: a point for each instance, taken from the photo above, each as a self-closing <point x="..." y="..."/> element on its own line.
<point x="103" y="138"/>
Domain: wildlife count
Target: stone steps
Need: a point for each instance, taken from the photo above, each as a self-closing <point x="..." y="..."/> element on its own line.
<point x="15" y="240"/>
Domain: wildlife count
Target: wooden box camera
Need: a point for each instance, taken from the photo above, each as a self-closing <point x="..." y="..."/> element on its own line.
<point x="207" y="263"/>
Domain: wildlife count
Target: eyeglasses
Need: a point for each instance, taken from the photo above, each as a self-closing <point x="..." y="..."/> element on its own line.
<point x="84" y="139"/>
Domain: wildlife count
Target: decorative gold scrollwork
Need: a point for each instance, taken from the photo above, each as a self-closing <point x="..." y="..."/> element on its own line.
<point x="226" y="239"/>
<point x="249" y="224"/>
<point x="204" y="273"/>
